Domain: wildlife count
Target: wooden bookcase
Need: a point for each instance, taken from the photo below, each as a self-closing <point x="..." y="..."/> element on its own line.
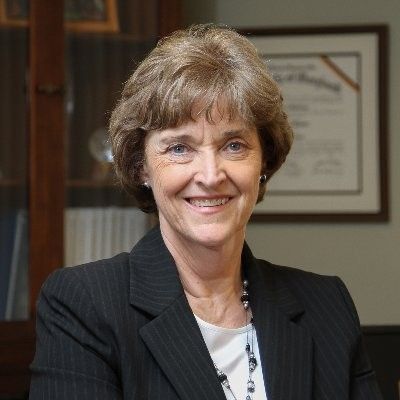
<point x="51" y="181"/>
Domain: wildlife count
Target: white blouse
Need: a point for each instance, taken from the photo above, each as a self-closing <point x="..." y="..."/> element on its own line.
<point x="227" y="349"/>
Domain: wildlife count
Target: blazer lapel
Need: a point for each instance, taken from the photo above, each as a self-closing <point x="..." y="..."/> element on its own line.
<point x="172" y="336"/>
<point x="176" y="343"/>
<point x="286" y="349"/>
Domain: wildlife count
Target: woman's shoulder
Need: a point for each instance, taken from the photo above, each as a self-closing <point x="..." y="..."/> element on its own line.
<point x="298" y="275"/>
<point x="100" y="281"/>
<point x="95" y="271"/>
<point x="317" y="293"/>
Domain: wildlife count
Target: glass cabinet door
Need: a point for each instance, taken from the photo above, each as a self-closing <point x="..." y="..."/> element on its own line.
<point x="31" y="175"/>
<point x="14" y="291"/>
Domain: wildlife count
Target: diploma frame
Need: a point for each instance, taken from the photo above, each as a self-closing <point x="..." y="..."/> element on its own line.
<point x="359" y="175"/>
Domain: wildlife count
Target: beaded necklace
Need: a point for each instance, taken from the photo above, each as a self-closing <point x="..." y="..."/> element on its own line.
<point x="222" y="377"/>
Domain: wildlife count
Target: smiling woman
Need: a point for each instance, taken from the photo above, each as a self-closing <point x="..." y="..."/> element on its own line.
<point x="190" y="313"/>
<point x="205" y="72"/>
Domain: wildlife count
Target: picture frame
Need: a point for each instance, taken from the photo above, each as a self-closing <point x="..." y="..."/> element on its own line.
<point x="334" y="85"/>
<point x="80" y="16"/>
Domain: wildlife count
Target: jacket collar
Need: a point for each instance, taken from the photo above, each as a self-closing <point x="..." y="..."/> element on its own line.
<point x="265" y="285"/>
<point x="175" y="340"/>
<point x="154" y="279"/>
<point x="155" y="284"/>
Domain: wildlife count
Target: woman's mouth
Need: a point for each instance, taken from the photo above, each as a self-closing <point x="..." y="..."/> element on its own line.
<point x="208" y="202"/>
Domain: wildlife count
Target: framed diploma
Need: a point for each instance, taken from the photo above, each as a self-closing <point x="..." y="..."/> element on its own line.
<point x="334" y="85"/>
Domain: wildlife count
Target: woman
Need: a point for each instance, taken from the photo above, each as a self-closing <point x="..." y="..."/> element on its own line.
<point x="190" y="313"/>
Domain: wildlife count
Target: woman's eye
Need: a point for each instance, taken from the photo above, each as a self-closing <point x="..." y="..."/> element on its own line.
<point x="178" y="149"/>
<point x="235" y="146"/>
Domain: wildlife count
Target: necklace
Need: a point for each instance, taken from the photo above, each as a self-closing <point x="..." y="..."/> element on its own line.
<point x="222" y="377"/>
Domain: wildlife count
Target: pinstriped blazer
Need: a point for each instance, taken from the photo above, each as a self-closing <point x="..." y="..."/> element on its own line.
<point x="122" y="329"/>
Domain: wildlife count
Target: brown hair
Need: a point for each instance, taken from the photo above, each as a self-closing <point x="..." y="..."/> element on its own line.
<point x="203" y="63"/>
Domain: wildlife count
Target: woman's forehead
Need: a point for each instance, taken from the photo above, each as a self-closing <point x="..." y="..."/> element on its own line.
<point x="220" y="124"/>
<point x="219" y="111"/>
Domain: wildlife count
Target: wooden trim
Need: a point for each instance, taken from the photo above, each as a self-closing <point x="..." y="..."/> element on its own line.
<point x="312" y="30"/>
<point x="46" y="149"/>
<point x="384" y="61"/>
<point x="381" y="329"/>
<point x="17" y="344"/>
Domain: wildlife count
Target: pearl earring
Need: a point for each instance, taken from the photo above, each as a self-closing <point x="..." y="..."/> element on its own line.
<point x="263" y="179"/>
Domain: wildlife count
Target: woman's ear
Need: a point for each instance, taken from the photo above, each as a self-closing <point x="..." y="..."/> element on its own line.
<point x="263" y="167"/>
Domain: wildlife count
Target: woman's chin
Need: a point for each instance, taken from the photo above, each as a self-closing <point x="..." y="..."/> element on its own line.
<point x="214" y="235"/>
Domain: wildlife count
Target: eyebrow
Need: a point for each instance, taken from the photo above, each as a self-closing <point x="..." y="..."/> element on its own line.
<point x="235" y="132"/>
<point x="185" y="137"/>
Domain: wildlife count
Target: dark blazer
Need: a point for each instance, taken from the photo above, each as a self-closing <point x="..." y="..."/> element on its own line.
<point x="122" y="329"/>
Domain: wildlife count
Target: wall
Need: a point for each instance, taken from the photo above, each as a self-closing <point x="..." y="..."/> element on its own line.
<point x="365" y="256"/>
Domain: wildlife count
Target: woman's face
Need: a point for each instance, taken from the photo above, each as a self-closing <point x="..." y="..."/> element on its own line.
<point x="205" y="178"/>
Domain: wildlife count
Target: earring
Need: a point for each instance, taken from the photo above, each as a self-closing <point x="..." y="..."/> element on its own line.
<point x="146" y="185"/>
<point x="263" y="179"/>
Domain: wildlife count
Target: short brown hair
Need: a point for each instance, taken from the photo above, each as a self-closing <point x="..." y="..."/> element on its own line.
<point x="203" y="63"/>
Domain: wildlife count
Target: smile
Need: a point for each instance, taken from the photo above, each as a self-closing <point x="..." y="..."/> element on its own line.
<point x="208" y="202"/>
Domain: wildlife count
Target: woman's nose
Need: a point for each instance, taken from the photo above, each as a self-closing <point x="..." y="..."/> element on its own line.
<point x="210" y="170"/>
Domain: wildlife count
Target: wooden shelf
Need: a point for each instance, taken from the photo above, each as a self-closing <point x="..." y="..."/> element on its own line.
<point x="17" y="345"/>
<point x="12" y="182"/>
<point x="109" y="36"/>
<point x="88" y="183"/>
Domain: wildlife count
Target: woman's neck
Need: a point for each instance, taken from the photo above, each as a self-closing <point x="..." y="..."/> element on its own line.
<point x="211" y="278"/>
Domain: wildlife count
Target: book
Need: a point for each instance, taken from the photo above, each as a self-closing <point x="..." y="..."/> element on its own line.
<point x="17" y="304"/>
<point x="7" y="236"/>
<point x="94" y="233"/>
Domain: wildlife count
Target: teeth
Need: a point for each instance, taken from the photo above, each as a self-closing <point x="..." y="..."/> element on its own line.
<point x="208" y="202"/>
